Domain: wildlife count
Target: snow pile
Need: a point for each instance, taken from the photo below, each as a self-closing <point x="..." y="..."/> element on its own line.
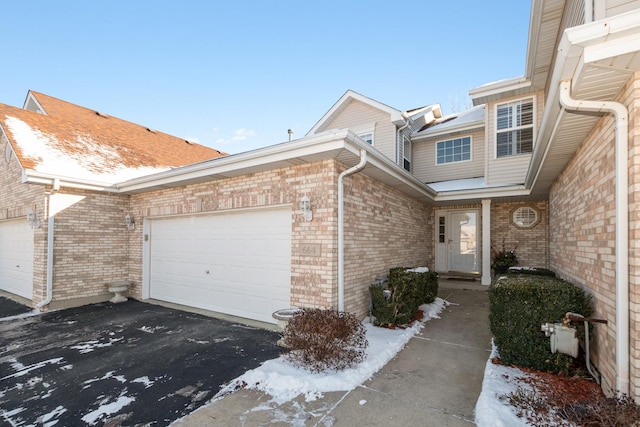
<point x="418" y="270"/>
<point x="499" y="380"/>
<point x="284" y="382"/>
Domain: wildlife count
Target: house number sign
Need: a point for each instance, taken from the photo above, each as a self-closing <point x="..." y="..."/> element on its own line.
<point x="310" y="249"/>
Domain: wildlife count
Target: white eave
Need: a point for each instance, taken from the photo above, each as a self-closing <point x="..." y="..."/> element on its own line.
<point x="500" y="89"/>
<point x="342" y="145"/>
<point x="598" y="58"/>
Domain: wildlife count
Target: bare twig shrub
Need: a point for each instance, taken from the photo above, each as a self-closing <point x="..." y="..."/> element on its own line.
<point x="556" y="400"/>
<point x="321" y="340"/>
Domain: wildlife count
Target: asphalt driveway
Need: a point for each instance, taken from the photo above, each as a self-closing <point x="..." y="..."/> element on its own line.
<point x="120" y="364"/>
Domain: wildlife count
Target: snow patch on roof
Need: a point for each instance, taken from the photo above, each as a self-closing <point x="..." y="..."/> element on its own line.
<point x="456" y="120"/>
<point x="81" y="158"/>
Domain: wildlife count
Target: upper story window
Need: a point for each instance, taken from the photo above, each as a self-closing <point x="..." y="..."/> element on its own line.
<point x="367" y="137"/>
<point x="406" y="153"/>
<point x="514" y="128"/>
<point x="453" y="150"/>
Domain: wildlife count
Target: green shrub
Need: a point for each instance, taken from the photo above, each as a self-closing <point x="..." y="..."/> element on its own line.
<point x="407" y="291"/>
<point x="519" y="305"/>
<point x="320" y="340"/>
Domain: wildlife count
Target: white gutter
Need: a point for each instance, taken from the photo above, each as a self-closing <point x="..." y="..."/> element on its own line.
<point x="50" y="237"/>
<point x="350" y="171"/>
<point x="400" y="129"/>
<point x="620" y="114"/>
<point x="33" y="177"/>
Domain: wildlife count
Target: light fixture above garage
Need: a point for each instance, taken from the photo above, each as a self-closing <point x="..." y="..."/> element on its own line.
<point x="305" y="207"/>
<point x="128" y="220"/>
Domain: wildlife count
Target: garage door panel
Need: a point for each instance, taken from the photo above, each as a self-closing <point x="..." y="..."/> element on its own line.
<point x="247" y="256"/>
<point x="16" y="258"/>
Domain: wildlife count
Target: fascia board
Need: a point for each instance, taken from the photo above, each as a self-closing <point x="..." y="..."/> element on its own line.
<point x="325" y="142"/>
<point x="483" y="193"/>
<point x="499" y="87"/>
<point x="462" y="128"/>
<point x="597" y="32"/>
<point x="384" y="164"/>
<point x="565" y="65"/>
<point x="396" y="116"/>
<point x="33" y="177"/>
<point x="33" y="98"/>
<point x="590" y="42"/>
<point x="13" y="152"/>
<point x="612" y="47"/>
<point x="535" y="21"/>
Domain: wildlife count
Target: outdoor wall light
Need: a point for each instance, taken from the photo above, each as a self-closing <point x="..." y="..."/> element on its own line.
<point x="34" y="222"/>
<point x="305" y="207"/>
<point x="129" y="222"/>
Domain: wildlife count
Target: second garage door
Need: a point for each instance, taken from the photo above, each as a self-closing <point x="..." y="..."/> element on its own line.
<point x="16" y="258"/>
<point x="233" y="263"/>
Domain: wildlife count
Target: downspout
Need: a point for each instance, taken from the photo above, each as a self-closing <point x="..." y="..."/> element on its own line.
<point x="355" y="169"/>
<point x="50" y="236"/>
<point x="620" y="114"/>
<point x="405" y="116"/>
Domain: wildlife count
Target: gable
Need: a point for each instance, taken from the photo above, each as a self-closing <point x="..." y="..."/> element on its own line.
<point x="395" y="116"/>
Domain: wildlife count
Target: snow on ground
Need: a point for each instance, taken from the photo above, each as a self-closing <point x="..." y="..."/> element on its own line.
<point x="499" y="380"/>
<point x="284" y="382"/>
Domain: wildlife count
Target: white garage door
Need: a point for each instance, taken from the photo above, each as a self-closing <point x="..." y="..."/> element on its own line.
<point x="234" y="263"/>
<point x="16" y="258"/>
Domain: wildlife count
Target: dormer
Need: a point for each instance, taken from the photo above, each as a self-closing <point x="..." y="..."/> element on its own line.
<point x="387" y="129"/>
<point x="32" y="104"/>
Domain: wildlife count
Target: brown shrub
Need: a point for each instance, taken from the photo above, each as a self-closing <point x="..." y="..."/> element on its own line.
<point x="320" y="340"/>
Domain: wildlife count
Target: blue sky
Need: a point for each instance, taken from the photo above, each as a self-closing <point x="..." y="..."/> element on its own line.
<point x="236" y="75"/>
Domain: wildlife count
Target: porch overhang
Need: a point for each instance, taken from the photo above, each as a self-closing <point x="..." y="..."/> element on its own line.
<point x="598" y="58"/>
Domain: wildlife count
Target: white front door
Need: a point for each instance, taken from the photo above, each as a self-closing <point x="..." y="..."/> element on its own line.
<point x="457" y="241"/>
<point x="16" y="258"/>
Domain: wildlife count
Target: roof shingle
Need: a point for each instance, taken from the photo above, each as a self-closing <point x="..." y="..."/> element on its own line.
<point x="74" y="141"/>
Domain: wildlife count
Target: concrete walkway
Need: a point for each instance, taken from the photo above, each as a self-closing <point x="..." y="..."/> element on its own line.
<point x="434" y="381"/>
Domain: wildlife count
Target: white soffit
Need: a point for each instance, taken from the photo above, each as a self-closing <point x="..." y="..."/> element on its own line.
<point x="598" y="58"/>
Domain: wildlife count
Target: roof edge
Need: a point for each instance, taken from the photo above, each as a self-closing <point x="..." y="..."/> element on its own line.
<point x="396" y="115"/>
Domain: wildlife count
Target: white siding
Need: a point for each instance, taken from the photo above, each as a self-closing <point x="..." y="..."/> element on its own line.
<point x="512" y="169"/>
<point x="358" y="117"/>
<point x="424" y="159"/>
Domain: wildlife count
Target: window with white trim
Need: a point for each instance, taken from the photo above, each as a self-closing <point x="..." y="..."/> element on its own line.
<point x="514" y="128"/>
<point x="367" y="137"/>
<point x="525" y="217"/>
<point x="453" y="150"/>
<point x="406" y="153"/>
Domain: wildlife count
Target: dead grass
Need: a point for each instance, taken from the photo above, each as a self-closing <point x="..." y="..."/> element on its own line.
<point x="546" y="399"/>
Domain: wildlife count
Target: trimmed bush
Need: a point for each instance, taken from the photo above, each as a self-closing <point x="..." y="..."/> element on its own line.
<point x="519" y="305"/>
<point x="407" y="291"/>
<point x="321" y="340"/>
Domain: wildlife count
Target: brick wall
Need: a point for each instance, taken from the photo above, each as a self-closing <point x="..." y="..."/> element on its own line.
<point x="582" y="232"/>
<point x="312" y="277"/>
<point x="530" y="244"/>
<point x="384" y="228"/>
<point x="16" y="199"/>
<point x="91" y="243"/>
